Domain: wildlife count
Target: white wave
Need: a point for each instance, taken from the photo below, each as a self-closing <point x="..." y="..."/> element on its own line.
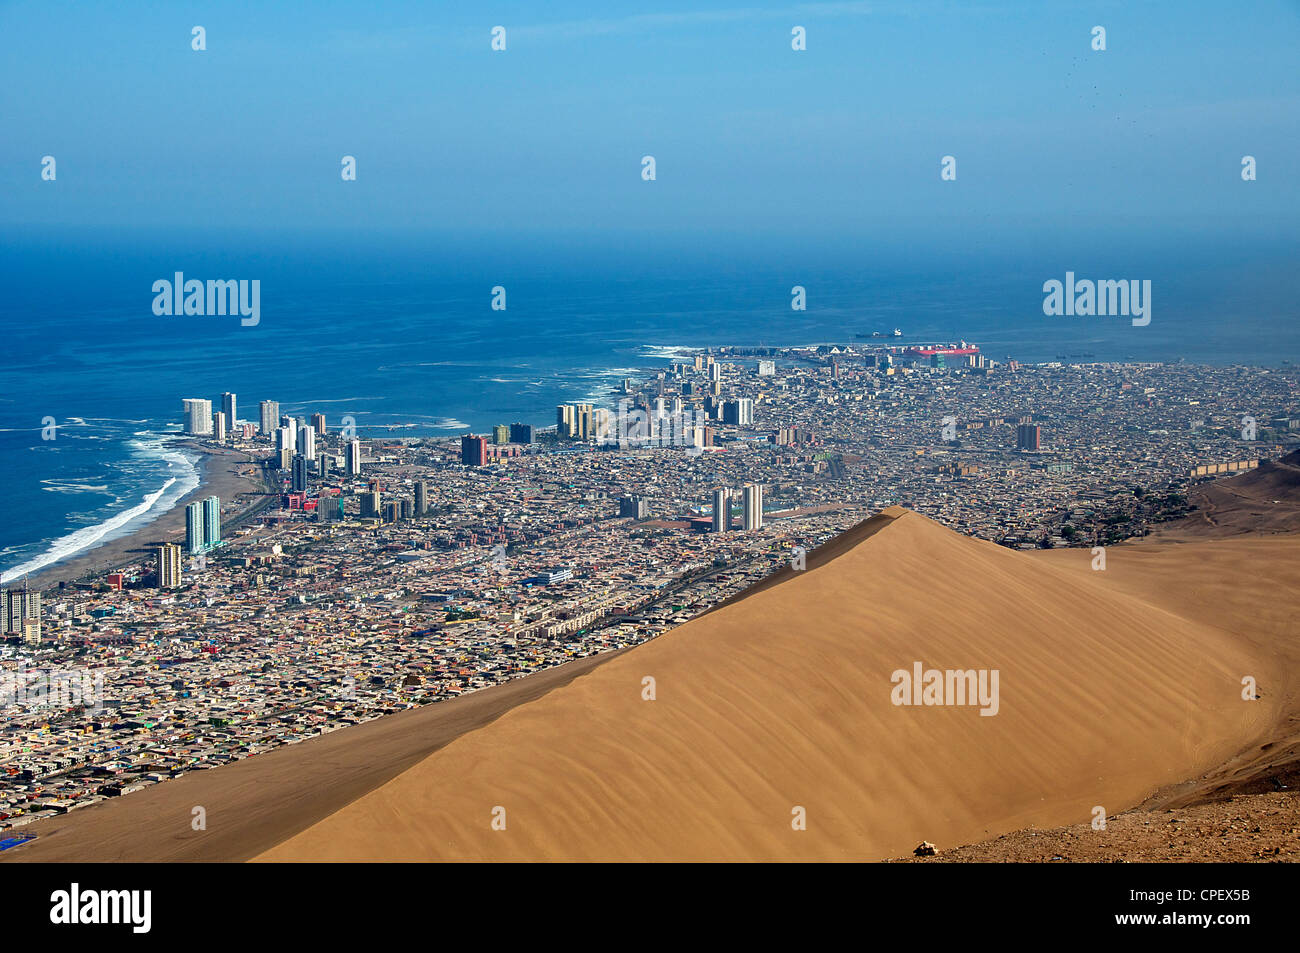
<point x="150" y="508"/>
<point x="668" y="352"/>
<point x="58" y="486"/>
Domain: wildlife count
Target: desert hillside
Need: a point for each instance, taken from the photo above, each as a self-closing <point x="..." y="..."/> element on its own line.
<point x="782" y="700"/>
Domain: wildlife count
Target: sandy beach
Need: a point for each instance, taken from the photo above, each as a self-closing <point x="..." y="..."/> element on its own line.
<point x="228" y="474"/>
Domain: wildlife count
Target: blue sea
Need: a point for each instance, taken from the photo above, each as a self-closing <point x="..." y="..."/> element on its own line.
<point x="396" y="330"/>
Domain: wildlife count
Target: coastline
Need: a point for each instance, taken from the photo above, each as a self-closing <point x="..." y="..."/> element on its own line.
<point x="219" y="474"/>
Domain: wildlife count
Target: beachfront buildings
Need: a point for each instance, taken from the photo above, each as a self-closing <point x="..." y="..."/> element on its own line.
<point x="228" y="410"/>
<point x="203" y="525"/>
<point x="198" y="415"/>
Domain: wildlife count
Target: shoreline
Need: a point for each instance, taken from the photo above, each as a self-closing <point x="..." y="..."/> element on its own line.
<point x="219" y="475"/>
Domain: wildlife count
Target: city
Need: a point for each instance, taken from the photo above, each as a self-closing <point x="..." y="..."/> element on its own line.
<point x="361" y="575"/>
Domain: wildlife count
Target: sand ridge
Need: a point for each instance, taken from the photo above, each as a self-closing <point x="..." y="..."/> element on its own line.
<point x="782" y="701"/>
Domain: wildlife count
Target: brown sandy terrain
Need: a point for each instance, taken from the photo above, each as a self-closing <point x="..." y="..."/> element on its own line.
<point x="782" y="699"/>
<point x="1260" y="501"/>
<point x="262" y="800"/>
<point x="1258" y="828"/>
<point x="225" y="474"/>
<point x="1117" y="686"/>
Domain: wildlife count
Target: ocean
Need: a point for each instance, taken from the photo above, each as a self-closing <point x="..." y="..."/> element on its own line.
<point x="398" y="332"/>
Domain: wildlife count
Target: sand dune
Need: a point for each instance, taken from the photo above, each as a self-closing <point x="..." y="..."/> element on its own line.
<point x="783" y="700"/>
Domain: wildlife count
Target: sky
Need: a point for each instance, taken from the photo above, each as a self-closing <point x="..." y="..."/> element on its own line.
<point x="840" y="143"/>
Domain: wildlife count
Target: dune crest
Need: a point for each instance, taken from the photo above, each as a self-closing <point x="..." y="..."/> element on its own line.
<point x="783" y="701"/>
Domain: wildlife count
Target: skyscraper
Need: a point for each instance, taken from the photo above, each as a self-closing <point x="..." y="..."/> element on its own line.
<point x="721" y="509"/>
<point x="167" y="565"/>
<point x="198" y="416"/>
<point x="298" y="476"/>
<point x="22" y="613"/>
<point x="582" y="423"/>
<point x="564" y="420"/>
<point x="211" y="522"/>
<point x="521" y="433"/>
<point x="500" y="434"/>
<point x="1028" y="437"/>
<point x="228" y="410"/>
<point x="473" y="450"/>
<point x="354" y="458"/>
<point x="421" y="498"/>
<point x="219" y="427"/>
<point x="194" y="528"/>
<point x="291" y="441"/>
<point x="307" y="443"/>
<point x="753" y="506"/>
<point x="739" y="412"/>
<point x="318" y="424"/>
<point x="270" y="417"/>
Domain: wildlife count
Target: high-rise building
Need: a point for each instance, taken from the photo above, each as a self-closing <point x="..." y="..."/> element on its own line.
<point x="194" y="528"/>
<point x="753" y="506"/>
<point x="1028" y="437"/>
<point x="421" y="498"/>
<point x="521" y="433"/>
<point x="329" y="507"/>
<point x="167" y="565"/>
<point x="634" y="507"/>
<point x="721" y="509"/>
<point x="354" y="458"/>
<point x="219" y="426"/>
<point x="600" y="429"/>
<point x="307" y="443"/>
<point x="211" y="522"/>
<point x="371" y="505"/>
<point x="284" y="458"/>
<point x="739" y="412"/>
<point x="564" y="420"/>
<point x="284" y="439"/>
<point x="473" y="450"/>
<point x="298" y="476"/>
<point x="270" y="417"/>
<point x="290" y="423"/>
<point x="22" y="613"/>
<point x="228" y="410"/>
<point x="198" y="416"/>
<point x="582" y="422"/>
<point x="318" y="424"/>
<point x="715" y="372"/>
<point x="766" y="368"/>
<point x="500" y="434"/>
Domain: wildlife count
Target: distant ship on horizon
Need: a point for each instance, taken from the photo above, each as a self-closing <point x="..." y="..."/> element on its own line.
<point x="881" y="334"/>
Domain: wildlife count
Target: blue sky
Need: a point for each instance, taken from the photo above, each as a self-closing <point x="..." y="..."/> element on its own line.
<point x="750" y="138"/>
